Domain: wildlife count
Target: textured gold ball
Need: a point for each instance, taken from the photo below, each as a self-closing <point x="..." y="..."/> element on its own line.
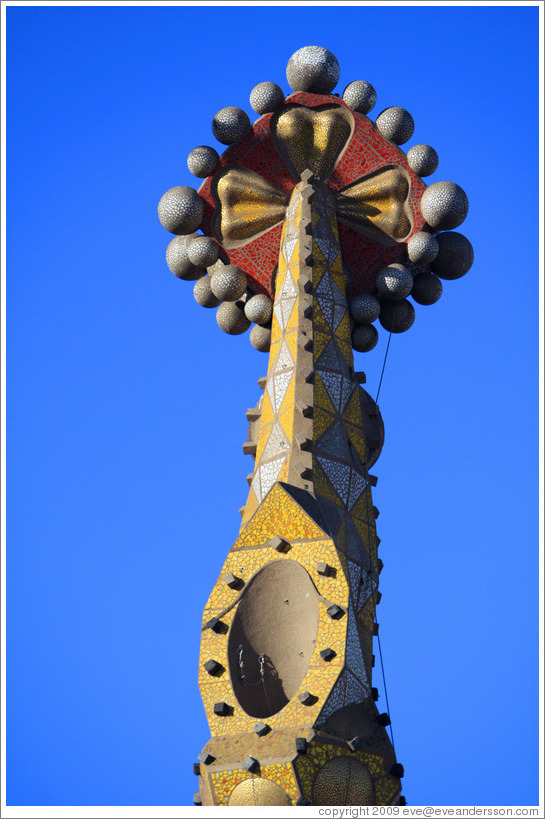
<point x="343" y="781"/>
<point x="258" y="791"/>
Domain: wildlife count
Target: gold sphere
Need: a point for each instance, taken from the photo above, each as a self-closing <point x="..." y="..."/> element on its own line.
<point x="343" y="781"/>
<point x="258" y="791"/>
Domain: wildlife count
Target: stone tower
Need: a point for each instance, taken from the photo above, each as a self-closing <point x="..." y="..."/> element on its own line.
<point x="315" y="224"/>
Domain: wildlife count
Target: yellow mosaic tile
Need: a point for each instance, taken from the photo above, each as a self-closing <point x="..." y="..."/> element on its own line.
<point x="287" y="403"/>
<point x="319" y="319"/>
<point x="322" y="419"/>
<point x="375" y="764"/>
<point x="344" y="342"/>
<point x="278" y="515"/>
<point x="321" y="340"/>
<point x="385" y="790"/>
<point x="352" y="414"/>
<point x="363" y="509"/>
<point x="293" y="321"/>
<point x="321" y="398"/>
<point x="331" y="634"/>
<point x="366" y="616"/>
<point x="267" y="414"/>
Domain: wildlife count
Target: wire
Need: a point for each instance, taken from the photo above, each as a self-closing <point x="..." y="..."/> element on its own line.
<point x="385" y="688"/>
<point x="384" y="364"/>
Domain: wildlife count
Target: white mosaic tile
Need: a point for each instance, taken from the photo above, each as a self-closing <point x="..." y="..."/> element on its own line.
<point x="269" y="474"/>
<point x="281" y="383"/>
<point x="277" y="443"/>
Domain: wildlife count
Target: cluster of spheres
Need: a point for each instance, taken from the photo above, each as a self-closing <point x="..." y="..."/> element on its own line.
<point x="434" y="254"/>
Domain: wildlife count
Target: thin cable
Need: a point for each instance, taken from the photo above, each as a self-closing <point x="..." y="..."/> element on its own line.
<point x="383" y="366"/>
<point x="385" y="688"/>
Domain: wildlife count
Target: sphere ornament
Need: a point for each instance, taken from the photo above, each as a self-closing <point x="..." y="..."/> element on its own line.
<point x="202" y="161"/>
<point x="444" y="205"/>
<point x="266" y="97"/>
<point x="343" y="780"/>
<point x="313" y="69"/>
<point x="259" y="308"/>
<point x="178" y="259"/>
<point x="258" y="791"/>
<point x="228" y="283"/>
<point x="260" y="338"/>
<point x="202" y="293"/>
<point x="231" y="319"/>
<point x="365" y="308"/>
<point x="394" y="282"/>
<point x="396" y="316"/>
<point x="181" y="210"/>
<point x="427" y="288"/>
<point x="422" y="248"/>
<point x="360" y="96"/>
<point x="455" y="256"/>
<point x="230" y="124"/>
<point x="422" y="159"/>
<point x="203" y="251"/>
<point x="364" y="338"/>
<point x="395" y="124"/>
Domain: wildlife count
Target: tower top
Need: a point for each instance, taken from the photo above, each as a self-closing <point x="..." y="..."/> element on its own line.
<point x="397" y="235"/>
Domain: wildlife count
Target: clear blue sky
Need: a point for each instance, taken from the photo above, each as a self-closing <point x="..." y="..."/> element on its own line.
<point x="126" y="403"/>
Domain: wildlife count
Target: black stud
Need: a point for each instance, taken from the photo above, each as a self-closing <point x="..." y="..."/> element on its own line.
<point x="327" y="654"/>
<point x="251" y="764"/>
<point x="261" y="382"/>
<point x="324" y="569"/>
<point x="249" y="448"/>
<point x="279" y="544"/>
<point x="305" y="444"/>
<point x="373" y="480"/>
<point x="221" y="709"/>
<point x="335" y="612"/>
<point x="355" y="743"/>
<point x="261" y="728"/>
<point x="253" y="414"/>
<point x="233" y="582"/>
<point x="213" y="667"/>
<point x="205" y="758"/>
<point x="375" y="629"/>
<point x="402" y="800"/>
<point x="197" y="768"/>
<point x="376" y="513"/>
<point x="374" y="692"/>
<point x="217" y="625"/>
<point x="301" y="745"/>
<point x="360" y="377"/>
<point x="397" y="770"/>
<point x="197" y="799"/>
<point x="305" y="409"/>
<point x="384" y="719"/>
<point x="306" y="698"/>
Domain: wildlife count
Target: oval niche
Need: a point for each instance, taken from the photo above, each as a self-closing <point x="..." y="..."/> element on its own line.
<point x="273" y="635"/>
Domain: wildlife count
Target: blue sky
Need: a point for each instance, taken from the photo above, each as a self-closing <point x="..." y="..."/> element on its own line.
<point x="126" y="403"/>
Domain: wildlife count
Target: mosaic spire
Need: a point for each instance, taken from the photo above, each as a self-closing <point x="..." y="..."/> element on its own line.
<point x="316" y="225"/>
